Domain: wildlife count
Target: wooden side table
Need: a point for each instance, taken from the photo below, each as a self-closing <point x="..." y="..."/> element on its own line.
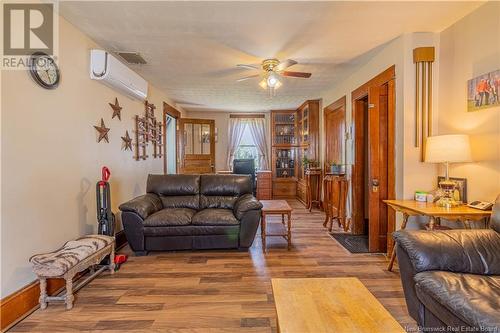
<point x="435" y="213"/>
<point x="276" y="207"/>
<point x="335" y="198"/>
<point x="313" y="186"/>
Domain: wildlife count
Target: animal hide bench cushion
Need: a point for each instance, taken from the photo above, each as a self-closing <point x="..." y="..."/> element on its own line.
<point x="57" y="263"/>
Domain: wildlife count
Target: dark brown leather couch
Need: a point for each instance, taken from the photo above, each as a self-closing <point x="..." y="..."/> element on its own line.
<point x="451" y="278"/>
<point x="181" y="212"/>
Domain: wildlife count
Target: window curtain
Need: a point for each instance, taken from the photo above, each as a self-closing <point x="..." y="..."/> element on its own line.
<point x="235" y="134"/>
<point x="257" y="127"/>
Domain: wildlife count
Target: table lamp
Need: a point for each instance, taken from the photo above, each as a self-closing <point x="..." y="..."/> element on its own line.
<point x="454" y="148"/>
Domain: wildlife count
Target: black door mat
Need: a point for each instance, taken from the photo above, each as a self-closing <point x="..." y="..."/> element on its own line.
<point x="353" y="243"/>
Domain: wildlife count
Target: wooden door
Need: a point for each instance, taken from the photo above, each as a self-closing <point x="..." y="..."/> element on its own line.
<point x="196" y="146"/>
<point x="378" y="167"/>
<point x="334" y="124"/>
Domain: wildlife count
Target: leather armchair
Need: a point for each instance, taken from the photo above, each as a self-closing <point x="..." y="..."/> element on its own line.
<point x="451" y="278"/>
<point x="192" y="212"/>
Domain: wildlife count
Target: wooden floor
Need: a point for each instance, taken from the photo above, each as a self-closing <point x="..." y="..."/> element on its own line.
<point x="217" y="291"/>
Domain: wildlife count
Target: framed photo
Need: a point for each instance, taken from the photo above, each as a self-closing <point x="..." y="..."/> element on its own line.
<point x="483" y="91"/>
<point x="460" y="193"/>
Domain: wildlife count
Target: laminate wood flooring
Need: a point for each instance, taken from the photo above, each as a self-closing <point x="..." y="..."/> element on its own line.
<point x="217" y="291"/>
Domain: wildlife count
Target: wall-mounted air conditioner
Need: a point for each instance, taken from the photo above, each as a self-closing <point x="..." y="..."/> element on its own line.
<point x="113" y="73"/>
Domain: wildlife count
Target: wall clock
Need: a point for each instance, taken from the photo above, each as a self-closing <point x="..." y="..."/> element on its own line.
<point x="44" y="70"/>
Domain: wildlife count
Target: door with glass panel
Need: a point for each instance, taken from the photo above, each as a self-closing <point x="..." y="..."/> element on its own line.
<point x="196" y="146"/>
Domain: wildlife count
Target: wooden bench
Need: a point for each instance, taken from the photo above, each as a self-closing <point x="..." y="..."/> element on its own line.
<point x="74" y="257"/>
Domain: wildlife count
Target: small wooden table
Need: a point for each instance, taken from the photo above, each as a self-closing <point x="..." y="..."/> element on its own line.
<point x="313" y="187"/>
<point x="435" y="213"/>
<point x="334" y="200"/>
<point x="337" y="305"/>
<point x="276" y="207"/>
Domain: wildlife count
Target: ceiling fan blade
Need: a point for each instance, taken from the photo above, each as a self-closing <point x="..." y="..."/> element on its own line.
<point x="247" y="77"/>
<point x="247" y="66"/>
<point x="296" y="74"/>
<point x="285" y="64"/>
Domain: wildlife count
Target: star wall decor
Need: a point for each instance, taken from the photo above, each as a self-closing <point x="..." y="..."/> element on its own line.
<point x="117" y="109"/>
<point x="127" y="141"/>
<point x="103" y="131"/>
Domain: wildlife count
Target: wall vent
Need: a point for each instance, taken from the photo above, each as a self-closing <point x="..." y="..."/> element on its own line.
<point x="132" y="57"/>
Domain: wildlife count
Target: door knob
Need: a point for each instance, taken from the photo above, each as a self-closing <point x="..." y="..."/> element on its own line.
<point x="375" y="184"/>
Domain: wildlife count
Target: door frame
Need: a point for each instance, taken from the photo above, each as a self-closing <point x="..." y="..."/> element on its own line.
<point x="174" y="113"/>
<point x="386" y="77"/>
<point x="180" y="140"/>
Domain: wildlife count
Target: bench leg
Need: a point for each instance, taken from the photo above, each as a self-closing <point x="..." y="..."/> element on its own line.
<point x="112" y="260"/>
<point x="43" y="293"/>
<point x="69" y="292"/>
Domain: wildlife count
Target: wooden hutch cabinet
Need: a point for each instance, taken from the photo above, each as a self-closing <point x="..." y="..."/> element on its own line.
<point x="294" y="134"/>
<point x="308" y="141"/>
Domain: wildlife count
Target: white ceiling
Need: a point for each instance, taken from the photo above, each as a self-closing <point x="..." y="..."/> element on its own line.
<point x="192" y="47"/>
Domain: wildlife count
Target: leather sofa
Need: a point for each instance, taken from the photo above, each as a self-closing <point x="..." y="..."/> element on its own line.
<point x="181" y="212"/>
<point x="451" y="278"/>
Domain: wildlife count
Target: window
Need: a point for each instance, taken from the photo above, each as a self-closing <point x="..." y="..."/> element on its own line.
<point x="247" y="148"/>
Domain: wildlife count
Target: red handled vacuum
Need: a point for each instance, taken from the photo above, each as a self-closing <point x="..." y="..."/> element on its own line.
<point x="105" y="217"/>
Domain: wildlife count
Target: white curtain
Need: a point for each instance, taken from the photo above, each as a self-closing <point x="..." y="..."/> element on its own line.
<point x="257" y="127"/>
<point x="235" y="134"/>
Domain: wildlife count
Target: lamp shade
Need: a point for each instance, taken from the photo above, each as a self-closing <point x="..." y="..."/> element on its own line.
<point x="447" y="148"/>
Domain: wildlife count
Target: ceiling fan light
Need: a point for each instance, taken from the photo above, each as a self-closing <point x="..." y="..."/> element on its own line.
<point x="263" y="84"/>
<point x="272" y="80"/>
<point x="278" y="84"/>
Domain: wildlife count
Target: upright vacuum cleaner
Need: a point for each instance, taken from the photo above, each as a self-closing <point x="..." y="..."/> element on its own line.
<point x="105" y="217"/>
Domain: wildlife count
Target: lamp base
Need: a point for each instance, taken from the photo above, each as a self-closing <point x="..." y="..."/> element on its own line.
<point x="447" y="200"/>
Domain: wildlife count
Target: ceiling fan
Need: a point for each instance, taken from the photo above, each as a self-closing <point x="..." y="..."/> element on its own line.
<point x="272" y="70"/>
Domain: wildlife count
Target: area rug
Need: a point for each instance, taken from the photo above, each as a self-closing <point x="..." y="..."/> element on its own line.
<point x="353" y="243"/>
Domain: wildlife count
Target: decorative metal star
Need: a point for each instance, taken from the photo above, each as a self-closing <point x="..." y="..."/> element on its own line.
<point x="103" y="131"/>
<point x="116" y="109"/>
<point x="127" y="141"/>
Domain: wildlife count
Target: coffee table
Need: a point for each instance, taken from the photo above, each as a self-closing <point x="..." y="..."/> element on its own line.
<point x="276" y="207"/>
<point x="329" y="305"/>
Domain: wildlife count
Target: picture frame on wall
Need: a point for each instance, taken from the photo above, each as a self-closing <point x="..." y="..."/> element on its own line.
<point x="460" y="193"/>
<point x="483" y="91"/>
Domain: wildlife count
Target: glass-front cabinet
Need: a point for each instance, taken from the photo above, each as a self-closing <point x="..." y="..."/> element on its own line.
<point x="285" y="162"/>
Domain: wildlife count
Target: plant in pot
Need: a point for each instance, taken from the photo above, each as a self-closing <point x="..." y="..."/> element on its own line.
<point x="307" y="163"/>
<point x="335" y="167"/>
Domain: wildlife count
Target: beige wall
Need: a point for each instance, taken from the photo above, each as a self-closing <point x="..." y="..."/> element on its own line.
<point x="469" y="48"/>
<point x="411" y="174"/>
<point x="51" y="159"/>
<point x="222" y="124"/>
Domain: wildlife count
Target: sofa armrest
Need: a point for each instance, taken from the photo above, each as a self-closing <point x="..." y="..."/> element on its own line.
<point x="244" y="204"/>
<point x="143" y="206"/>
<point x="461" y="251"/>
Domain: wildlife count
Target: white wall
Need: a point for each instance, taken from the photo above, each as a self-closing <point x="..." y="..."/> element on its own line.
<point x="222" y="124"/>
<point x="469" y="48"/>
<point x="51" y="159"/>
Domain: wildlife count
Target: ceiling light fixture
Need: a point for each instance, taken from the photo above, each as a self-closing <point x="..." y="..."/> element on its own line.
<point x="271" y="82"/>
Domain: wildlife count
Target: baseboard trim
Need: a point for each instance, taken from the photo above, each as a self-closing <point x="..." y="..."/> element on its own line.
<point x="23" y="302"/>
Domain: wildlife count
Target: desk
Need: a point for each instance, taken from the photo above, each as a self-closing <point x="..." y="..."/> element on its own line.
<point x="319" y="305"/>
<point x="435" y="213"/>
<point x="224" y="172"/>
<point x="276" y="207"/>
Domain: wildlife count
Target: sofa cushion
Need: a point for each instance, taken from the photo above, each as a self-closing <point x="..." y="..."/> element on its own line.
<point x="475" y="299"/>
<point x="222" y="191"/>
<point x="170" y="217"/>
<point x="176" y="191"/>
<point x="215" y="216"/>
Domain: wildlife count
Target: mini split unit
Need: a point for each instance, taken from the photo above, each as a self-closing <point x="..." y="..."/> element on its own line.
<point x="109" y="70"/>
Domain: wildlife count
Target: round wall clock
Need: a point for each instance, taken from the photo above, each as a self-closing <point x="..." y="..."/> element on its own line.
<point x="44" y="70"/>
